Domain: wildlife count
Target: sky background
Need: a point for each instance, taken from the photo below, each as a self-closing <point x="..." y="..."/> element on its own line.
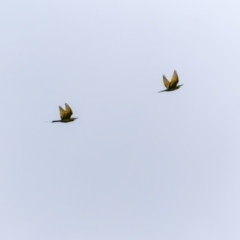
<point x="136" y="165"/>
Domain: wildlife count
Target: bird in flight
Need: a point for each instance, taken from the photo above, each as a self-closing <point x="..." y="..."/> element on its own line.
<point x="171" y="85"/>
<point x="65" y="114"/>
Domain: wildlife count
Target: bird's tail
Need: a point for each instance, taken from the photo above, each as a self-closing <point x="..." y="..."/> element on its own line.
<point x="56" y="121"/>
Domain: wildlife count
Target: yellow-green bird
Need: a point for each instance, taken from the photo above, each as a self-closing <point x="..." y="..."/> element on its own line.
<point x="172" y="85"/>
<point x="65" y="114"/>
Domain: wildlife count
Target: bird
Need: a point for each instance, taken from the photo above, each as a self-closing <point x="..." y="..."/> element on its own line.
<point x="172" y="85"/>
<point x="65" y="115"/>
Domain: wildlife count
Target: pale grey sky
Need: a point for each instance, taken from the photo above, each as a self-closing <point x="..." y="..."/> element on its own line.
<point x="136" y="165"/>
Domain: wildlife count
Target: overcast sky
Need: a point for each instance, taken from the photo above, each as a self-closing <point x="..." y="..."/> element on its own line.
<point x="136" y="165"/>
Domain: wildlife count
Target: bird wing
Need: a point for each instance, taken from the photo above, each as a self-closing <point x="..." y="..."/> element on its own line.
<point x="174" y="80"/>
<point x="68" y="111"/>
<point x="166" y="82"/>
<point x="62" y="113"/>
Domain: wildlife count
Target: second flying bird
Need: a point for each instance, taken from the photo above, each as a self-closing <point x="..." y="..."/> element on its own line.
<point x="65" y="114"/>
<point x="171" y="85"/>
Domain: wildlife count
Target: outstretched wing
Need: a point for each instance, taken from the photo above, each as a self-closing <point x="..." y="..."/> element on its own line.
<point x="166" y="82"/>
<point x="65" y="114"/>
<point x="68" y="111"/>
<point x="62" y="112"/>
<point x="174" y="80"/>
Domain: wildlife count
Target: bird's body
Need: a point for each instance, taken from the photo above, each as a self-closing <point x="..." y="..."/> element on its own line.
<point x="64" y="120"/>
<point x="171" y="85"/>
<point x="65" y="115"/>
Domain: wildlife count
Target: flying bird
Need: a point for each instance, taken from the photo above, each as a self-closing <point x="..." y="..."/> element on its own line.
<point x="65" y="114"/>
<point x="172" y="85"/>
